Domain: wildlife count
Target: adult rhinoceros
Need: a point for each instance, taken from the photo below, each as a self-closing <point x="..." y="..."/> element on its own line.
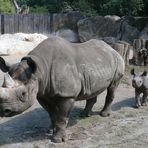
<point x="58" y="73"/>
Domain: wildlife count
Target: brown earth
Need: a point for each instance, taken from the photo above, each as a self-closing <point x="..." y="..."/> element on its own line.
<point x="126" y="127"/>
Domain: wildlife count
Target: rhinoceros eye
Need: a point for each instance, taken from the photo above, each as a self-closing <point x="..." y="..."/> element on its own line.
<point x="23" y="96"/>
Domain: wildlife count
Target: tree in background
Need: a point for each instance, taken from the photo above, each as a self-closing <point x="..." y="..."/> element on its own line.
<point x="122" y="7"/>
<point x="145" y="7"/>
<point x="22" y="9"/>
<point x="6" y="6"/>
<point x="87" y="7"/>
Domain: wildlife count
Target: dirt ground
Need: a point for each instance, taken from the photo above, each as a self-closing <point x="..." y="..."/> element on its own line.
<point x="126" y="127"/>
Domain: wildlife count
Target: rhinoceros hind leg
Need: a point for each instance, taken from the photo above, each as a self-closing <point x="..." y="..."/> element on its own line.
<point x="88" y="107"/>
<point x="109" y="98"/>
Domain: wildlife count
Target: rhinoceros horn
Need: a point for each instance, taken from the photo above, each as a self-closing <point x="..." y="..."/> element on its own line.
<point x="4" y="93"/>
<point x="8" y="81"/>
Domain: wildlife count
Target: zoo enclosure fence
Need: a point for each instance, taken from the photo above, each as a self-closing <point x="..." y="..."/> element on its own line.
<point x="30" y="23"/>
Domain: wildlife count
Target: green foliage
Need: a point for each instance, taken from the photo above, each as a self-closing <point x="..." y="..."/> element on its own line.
<point x="38" y="9"/>
<point x="87" y="7"/>
<point x="55" y="6"/>
<point x="66" y="7"/>
<point x="122" y="7"/>
<point x="6" y="6"/>
<point x="22" y="2"/>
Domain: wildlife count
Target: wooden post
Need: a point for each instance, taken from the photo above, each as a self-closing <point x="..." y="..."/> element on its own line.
<point x="2" y="24"/>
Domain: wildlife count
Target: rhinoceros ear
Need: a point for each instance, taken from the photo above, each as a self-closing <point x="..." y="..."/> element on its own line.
<point x="144" y="73"/>
<point x="133" y="72"/>
<point x="32" y="64"/>
<point x="3" y="65"/>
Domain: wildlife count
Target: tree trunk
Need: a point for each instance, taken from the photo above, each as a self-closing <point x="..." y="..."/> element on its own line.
<point x="17" y="8"/>
<point x="24" y="9"/>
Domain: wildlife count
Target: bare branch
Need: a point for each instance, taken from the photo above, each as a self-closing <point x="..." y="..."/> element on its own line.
<point x="24" y="9"/>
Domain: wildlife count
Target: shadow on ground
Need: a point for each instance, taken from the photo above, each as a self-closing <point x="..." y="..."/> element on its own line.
<point x="124" y="103"/>
<point x="31" y="126"/>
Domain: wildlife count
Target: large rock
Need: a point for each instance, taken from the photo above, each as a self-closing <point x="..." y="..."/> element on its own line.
<point x="132" y="28"/>
<point x="112" y="28"/>
<point x="98" y="27"/>
<point x="128" y="32"/>
<point x="19" y="43"/>
<point x="144" y="33"/>
<point x="66" y="21"/>
<point x="68" y="34"/>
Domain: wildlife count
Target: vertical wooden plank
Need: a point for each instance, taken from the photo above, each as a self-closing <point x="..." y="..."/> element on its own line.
<point x="47" y="25"/>
<point x="36" y="23"/>
<point x="6" y="24"/>
<point x="11" y="23"/>
<point x="25" y="24"/>
<point x="44" y="24"/>
<point x="0" y="25"/>
<point x="20" y="23"/>
<point x="30" y="23"/>
<point x="16" y="23"/>
<point x="40" y="23"/>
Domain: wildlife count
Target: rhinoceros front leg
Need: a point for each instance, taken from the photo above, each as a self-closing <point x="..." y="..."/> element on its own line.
<point x="88" y="108"/>
<point x="137" y="99"/>
<point x="51" y="109"/>
<point x="109" y="98"/>
<point x="144" y="100"/>
<point x="64" y="106"/>
<point x="52" y="114"/>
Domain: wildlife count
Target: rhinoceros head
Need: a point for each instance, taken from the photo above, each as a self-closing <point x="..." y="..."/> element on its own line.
<point x="19" y="88"/>
<point x="138" y="78"/>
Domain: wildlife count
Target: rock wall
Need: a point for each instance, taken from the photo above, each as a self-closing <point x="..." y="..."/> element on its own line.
<point x="98" y="27"/>
<point x="111" y="29"/>
<point x="65" y="25"/>
<point x="108" y="28"/>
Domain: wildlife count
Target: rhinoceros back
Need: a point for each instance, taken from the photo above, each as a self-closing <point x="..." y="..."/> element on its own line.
<point x="98" y="65"/>
<point x="75" y="70"/>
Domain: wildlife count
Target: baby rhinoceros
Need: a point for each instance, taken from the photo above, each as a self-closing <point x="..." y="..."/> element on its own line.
<point x="140" y="83"/>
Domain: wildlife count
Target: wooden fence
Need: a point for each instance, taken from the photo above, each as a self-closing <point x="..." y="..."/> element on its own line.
<point x="31" y="23"/>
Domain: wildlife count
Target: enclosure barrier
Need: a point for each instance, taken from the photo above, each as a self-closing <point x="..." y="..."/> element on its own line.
<point x="31" y="23"/>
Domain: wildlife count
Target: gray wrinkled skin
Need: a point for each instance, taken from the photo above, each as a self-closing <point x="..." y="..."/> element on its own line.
<point x="140" y="83"/>
<point x="19" y="96"/>
<point x="58" y="73"/>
